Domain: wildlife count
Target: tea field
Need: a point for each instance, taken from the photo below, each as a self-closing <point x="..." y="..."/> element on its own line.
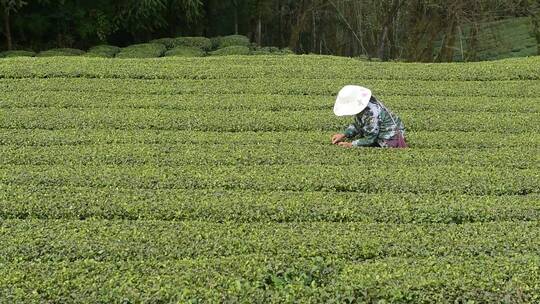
<point x="213" y="179"/>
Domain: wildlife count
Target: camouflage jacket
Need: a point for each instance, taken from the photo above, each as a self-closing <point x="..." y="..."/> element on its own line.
<point x="374" y="126"/>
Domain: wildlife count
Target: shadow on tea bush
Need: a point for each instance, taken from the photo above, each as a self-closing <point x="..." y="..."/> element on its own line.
<point x="167" y="42"/>
<point x="184" y="51"/>
<point x="18" y="53"/>
<point x="232" y="50"/>
<point x="271" y="50"/>
<point x="105" y="51"/>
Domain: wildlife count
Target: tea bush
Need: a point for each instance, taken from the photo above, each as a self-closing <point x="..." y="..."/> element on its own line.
<point x="169" y="43"/>
<point x="18" y="53"/>
<point x="202" y="43"/>
<point x="232" y="50"/>
<point x="312" y="71"/>
<point x="60" y="52"/>
<point x="184" y="51"/>
<point x="105" y="51"/>
<point x="145" y="50"/>
<point x="212" y="179"/>
<point x="271" y="51"/>
<point x="231" y="40"/>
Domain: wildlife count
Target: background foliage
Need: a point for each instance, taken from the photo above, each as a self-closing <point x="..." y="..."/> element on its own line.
<point x="416" y="30"/>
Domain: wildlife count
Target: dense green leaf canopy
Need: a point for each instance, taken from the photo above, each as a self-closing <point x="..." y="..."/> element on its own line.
<point x="212" y="179"/>
<point x="418" y="30"/>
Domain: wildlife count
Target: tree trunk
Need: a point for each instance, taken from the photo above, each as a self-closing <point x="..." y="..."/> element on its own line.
<point x="259" y="31"/>
<point x="280" y="25"/>
<point x="314" y="33"/>
<point x="382" y="41"/>
<point x="393" y="40"/>
<point x="447" y="49"/>
<point x="7" y="29"/>
<point x="536" y="29"/>
<point x="426" y="55"/>
<point x="236" y="19"/>
<point x="389" y="18"/>
<point x="339" y="41"/>
<point x="206" y="22"/>
<point x="472" y="49"/>
<point x="294" y="39"/>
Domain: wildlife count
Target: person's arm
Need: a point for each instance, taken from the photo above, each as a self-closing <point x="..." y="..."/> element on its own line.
<point x="370" y="130"/>
<point x="351" y="131"/>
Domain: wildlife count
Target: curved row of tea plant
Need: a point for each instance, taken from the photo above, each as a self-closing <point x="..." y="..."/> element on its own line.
<point x="257" y="278"/>
<point x="278" y="67"/>
<point x="450" y="179"/>
<point x="49" y="202"/>
<point x="168" y="47"/>
<point x="72" y="240"/>
<point x="261" y="102"/>
<point x="249" y="154"/>
<point x="254" y="120"/>
<point x="418" y="139"/>
<point x="326" y="87"/>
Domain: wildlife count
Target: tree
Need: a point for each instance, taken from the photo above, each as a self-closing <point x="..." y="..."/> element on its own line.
<point x="532" y="8"/>
<point x="9" y="6"/>
<point x="141" y="18"/>
<point x="412" y="30"/>
<point x="389" y="12"/>
<point x="260" y="11"/>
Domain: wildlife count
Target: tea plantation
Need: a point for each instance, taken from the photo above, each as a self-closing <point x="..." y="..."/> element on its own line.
<point x="213" y="179"/>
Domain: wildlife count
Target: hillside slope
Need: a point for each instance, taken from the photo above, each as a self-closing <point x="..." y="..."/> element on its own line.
<point x="496" y="40"/>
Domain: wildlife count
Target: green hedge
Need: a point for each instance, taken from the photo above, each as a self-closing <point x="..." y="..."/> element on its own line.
<point x="232" y="40"/>
<point x="105" y="51"/>
<point x="268" y="120"/>
<point x="18" y="53"/>
<point x="145" y="50"/>
<point x="61" y="52"/>
<point x="477" y="279"/>
<point x="199" y="42"/>
<point x="420" y="139"/>
<point x="48" y="202"/>
<point x="473" y="80"/>
<point x="430" y="179"/>
<point x="184" y="51"/>
<point x="139" y="240"/>
<point x="169" y="43"/>
<point x="231" y="50"/>
<point x="271" y="50"/>
<point x="257" y="278"/>
<point x="260" y="279"/>
<point x="202" y="43"/>
<point x="316" y="154"/>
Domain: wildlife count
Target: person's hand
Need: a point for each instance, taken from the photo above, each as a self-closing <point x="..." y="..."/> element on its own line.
<point x="337" y="138"/>
<point x="345" y="144"/>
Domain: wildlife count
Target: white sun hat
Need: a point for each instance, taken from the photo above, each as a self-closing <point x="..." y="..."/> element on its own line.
<point x="351" y="100"/>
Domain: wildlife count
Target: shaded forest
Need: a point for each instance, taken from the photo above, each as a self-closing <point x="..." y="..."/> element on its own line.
<point x="415" y="30"/>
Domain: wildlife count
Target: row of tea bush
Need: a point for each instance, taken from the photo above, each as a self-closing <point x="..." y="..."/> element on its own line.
<point x="164" y="47"/>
